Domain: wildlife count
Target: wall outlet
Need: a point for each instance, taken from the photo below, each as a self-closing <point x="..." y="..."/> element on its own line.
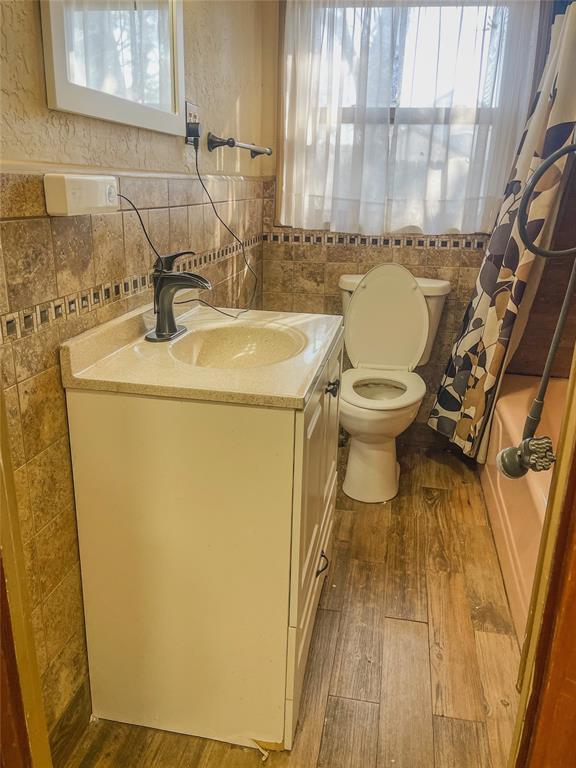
<point x="192" y="112"/>
<point x="193" y="127"/>
<point x="72" y="195"/>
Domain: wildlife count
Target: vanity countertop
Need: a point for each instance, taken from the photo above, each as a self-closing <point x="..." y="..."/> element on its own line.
<point x="115" y="357"/>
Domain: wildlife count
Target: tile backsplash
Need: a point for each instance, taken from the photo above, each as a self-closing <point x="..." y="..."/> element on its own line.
<point x="59" y="277"/>
<point x="302" y="268"/>
<point x="63" y="269"/>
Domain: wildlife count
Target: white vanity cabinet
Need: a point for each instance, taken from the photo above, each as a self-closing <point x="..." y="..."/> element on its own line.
<point x="205" y="531"/>
<point x="315" y="480"/>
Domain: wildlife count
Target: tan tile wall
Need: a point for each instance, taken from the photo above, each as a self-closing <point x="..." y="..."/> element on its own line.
<point x="59" y="277"/>
<point x="302" y="268"/>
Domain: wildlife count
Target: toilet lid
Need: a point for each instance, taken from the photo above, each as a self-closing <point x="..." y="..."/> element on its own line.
<point x="387" y="320"/>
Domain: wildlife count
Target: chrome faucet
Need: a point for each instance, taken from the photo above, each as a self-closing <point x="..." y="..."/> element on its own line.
<point x="166" y="284"/>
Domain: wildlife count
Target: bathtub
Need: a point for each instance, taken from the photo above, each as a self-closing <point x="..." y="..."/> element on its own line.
<point x="516" y="508"/>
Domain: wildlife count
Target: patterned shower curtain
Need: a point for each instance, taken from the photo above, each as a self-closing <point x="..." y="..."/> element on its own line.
<point x="468" y="391"/>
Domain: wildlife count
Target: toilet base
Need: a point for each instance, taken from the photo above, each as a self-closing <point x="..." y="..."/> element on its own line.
<point x="372" y="472"/>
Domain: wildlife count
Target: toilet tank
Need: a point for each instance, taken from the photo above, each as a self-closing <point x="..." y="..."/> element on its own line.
<point x="435" y="292"/>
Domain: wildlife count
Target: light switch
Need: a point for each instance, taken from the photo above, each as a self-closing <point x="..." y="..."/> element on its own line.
<point x="73" y="194"/>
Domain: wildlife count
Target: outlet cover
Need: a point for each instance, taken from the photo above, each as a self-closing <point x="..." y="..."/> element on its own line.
<point x="70" y="194"/>
<point x="192" y="112"/>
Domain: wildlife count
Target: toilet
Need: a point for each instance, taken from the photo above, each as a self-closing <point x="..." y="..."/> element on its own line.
<point x="390" y="322"/>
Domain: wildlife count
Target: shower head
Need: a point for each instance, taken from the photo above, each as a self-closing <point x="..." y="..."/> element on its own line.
<point x="534" y="453"/>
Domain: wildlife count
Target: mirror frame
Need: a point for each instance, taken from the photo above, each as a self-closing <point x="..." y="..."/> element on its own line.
<point x="66" y="96"/>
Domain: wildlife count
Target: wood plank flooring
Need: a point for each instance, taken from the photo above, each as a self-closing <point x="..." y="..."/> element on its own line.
<point x="413" y="659"/>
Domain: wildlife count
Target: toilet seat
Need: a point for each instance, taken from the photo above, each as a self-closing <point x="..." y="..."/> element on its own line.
<point x="413" y="387"/>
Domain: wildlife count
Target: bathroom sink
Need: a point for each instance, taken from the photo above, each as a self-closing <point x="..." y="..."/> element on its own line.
<point x="238" y="346"/>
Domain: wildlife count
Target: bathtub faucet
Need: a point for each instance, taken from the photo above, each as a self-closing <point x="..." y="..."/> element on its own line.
<point x="534" y="453"/>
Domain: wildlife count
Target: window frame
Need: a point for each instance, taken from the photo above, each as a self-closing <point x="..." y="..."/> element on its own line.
<point x="419" y="116"/>
<point x="66" y="96"/>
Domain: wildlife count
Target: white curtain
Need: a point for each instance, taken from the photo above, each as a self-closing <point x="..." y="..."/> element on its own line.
<point x="402" y="115"/>
<point x="122" y="47"/>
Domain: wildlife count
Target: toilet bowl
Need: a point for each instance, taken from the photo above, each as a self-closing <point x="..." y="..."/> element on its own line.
<point x="386" y="333"/>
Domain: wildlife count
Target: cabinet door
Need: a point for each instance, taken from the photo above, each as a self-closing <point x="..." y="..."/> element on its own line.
<point x="312" y="502"/>
<point x="318" y="444"/>
<point x="315" y="492"/>
<point x="331" y="415"/>
<point x="299" y="638"/>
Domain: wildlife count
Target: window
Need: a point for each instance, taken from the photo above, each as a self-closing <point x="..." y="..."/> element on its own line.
<point x="402" y="116"/>
<point x="121" y="50"/>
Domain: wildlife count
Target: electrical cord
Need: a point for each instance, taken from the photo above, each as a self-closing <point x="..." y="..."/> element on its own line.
<point x="150" y="243"/>
<point x="159" y="264"/>
<point x="236" y="238"/>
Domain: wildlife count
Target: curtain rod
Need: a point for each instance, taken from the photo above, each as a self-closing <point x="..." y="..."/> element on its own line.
<point x="215" y="141"/>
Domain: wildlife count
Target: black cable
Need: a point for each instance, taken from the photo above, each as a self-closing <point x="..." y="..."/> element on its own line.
<point x="150" y="243"/>
<point x="228" y="228"/>
<point x="246" y="262"/>
<point x="221" y="220"/>
<point x="159" y="264"/>
<point x="207" y="304"/>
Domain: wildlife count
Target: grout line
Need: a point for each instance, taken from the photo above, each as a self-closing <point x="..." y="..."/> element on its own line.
<point x="331" y="672"/>
<point x="42" y="604"/>
<point x="460" y="719"/>
<point x="430" y="633"/>
<point x="493" y="540"/>
<point x="62" y="580"/>
<point x="378" y="726"/>
<point x="412" y="621"/>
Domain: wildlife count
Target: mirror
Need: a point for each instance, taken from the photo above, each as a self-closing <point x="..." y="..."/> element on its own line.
<point x="119" y="60"/>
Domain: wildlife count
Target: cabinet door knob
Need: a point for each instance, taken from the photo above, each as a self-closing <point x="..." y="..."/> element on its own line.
<point x="324" y="563"/>
<point x="332" y="387"/>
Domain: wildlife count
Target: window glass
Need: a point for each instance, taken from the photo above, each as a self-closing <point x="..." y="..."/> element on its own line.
<point x="123" y="48"/>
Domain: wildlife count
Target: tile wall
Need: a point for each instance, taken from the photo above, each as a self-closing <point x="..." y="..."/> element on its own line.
<point x="59" y="277"/>
<point x="302" y="268"/>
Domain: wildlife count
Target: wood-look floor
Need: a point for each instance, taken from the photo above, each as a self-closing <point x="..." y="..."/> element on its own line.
<point x="413" y="659"/>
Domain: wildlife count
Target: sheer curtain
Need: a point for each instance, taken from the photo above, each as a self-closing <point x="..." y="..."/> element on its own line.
<point x="122" y="47"/>
<point x="402" y="115"/>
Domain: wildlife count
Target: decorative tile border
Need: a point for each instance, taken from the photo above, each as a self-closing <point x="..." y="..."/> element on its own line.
<point x="211" y="257"/>
<point x="461" y="242"/>
<point x="16" y="325"/>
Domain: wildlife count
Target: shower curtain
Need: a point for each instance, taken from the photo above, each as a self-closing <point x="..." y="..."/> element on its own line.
<point x="468" y="391"/>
